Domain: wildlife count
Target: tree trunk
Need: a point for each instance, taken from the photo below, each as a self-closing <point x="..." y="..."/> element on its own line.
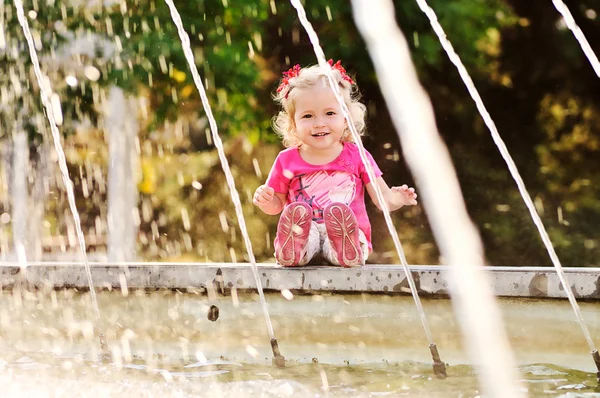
<point x="121" y="130"/>
<point x="43" y="170"/>
<point x="19" y="192"/>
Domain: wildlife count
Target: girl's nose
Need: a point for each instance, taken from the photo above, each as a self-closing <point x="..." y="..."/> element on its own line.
<point x="319" y="121"/>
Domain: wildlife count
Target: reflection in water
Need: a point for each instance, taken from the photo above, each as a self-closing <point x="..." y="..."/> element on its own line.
<point x="365" y="345"/>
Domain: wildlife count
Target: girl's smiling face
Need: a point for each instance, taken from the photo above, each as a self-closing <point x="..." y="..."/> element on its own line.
<point x="318" y="118"/>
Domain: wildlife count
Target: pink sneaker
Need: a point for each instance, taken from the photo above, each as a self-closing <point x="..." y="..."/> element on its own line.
<point x="342" y="231"/>
<point x="292" y="233"/>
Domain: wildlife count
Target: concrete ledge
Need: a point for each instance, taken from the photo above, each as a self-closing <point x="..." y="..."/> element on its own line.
<point x="542" y="282"/>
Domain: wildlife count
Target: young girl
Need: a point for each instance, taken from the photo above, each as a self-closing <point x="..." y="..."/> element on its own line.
<point x="319" y="180"/>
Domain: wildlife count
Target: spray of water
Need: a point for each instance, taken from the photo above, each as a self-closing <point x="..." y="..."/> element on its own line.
<point x="430" y="161"/>
<point x="235" y="197"/>
<point x="439" y="367"/>
<point x="62" y="162"/>
<point x="585" y="46"/>
<point x="513" y="171"/>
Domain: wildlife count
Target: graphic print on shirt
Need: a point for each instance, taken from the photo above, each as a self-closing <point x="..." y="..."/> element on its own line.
<point x="320" y="188"/>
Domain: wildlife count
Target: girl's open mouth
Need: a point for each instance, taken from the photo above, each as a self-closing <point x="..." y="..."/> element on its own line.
<point x="320" y="134"/>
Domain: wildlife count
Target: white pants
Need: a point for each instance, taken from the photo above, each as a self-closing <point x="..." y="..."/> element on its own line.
<point x="318" y="242"/>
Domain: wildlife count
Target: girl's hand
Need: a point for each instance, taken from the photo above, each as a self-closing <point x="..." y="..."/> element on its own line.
<point x="404" y="196"/>
<point x="263" y="195"/>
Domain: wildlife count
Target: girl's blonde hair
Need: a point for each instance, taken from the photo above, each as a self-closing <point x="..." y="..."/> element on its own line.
<point x="283" y="123"/>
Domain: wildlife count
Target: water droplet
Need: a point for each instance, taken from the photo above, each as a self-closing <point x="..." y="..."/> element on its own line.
<point x="91" y="73"/>
<point x="71" y="81"/>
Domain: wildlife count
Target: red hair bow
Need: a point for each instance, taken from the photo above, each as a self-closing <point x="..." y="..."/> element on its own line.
<point x="293" y="72"/>
<point x="338" y="66"/>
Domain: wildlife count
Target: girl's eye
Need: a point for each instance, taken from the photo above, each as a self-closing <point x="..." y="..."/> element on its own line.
<point x="330" y="113"/>
<point x="306" y="116"/>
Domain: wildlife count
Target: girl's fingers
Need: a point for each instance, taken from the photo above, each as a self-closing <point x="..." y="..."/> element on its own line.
<point x="404" y="188"/>
<point x="258" y="196"/>
<point x="261" y="197"/>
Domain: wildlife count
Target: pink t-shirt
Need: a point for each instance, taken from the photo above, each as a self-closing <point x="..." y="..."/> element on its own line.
<point x="342" y="180"/>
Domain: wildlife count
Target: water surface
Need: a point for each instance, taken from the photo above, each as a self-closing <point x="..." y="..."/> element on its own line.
<point x="162" y="344"/>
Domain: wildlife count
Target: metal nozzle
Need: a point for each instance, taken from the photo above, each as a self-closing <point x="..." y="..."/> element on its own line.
<point x="439" y="367"/>
<point x="596" y="358"/>
<point x="278" y="359"/>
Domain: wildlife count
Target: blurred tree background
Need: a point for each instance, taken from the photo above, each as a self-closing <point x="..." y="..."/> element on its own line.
<point x="533" y="77"/>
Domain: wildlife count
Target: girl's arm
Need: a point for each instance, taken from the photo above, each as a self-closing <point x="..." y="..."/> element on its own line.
<point x="396" y="197"/>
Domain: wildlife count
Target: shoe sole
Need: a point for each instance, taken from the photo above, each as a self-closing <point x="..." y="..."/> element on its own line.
<point x="342" y="231"/>
<point x="292" y="234"/>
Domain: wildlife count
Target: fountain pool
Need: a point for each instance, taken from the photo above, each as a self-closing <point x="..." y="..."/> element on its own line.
<point x="335" y="345"/>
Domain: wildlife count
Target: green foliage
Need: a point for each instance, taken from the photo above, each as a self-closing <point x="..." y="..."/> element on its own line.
<point x="572" y="143"/>
<point x="192" y="214"/>
<point x="138" y="48"/>
<point x="153" y="60"/>
<point x="531" y="74"/>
